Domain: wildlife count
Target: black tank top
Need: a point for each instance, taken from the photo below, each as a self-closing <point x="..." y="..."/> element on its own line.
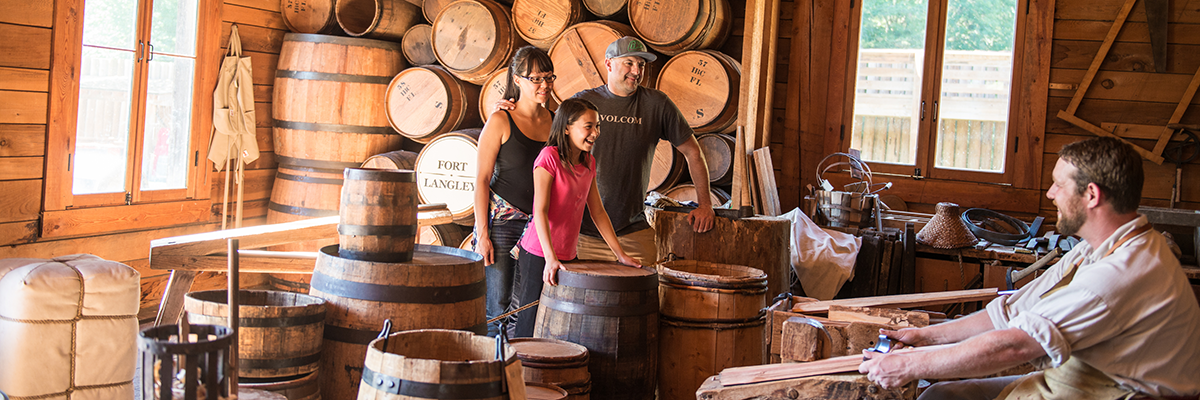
<point x="512" y="178"/>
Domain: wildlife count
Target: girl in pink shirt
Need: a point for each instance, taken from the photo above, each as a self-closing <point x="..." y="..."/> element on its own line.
<point x="564" y="180"/>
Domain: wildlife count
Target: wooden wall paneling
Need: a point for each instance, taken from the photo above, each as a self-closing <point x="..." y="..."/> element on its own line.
<point x="843" y="43"/>
<point x="23" y="107"/>
<point x="17" y="140"/>
<point x="20" y="200"/>
<point x="758" y="69"/>
<point x="1109" y="38"/>
<point x="257" y="185"/>
<point x="1125" y="57"/>
<point x="63" y="107"/>
<point x="24" y="46"/>
<point x="15" y="168"/>
<point x="24" y="12"/>
<point x="263" y="40"/>
<point x="247" y="16"/>
<point x="967" y="194"/>
<point x="23" y="79"/>
<point x="1135" y="31"/>
<point x="1116" y="111"/>
<point x="1133" y="86"/>
<point x="102" y="220"/>
<point x="18" y="232"/>
<point x="1180" y="11"/>
<point x="269" y="5"/>
<point x="1035" y="62"/>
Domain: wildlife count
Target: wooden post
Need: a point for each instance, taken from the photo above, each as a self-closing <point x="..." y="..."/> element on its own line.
<point x="233" y="289"/>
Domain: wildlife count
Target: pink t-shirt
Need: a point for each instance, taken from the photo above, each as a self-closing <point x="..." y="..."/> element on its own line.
<point x="568" y="196"/>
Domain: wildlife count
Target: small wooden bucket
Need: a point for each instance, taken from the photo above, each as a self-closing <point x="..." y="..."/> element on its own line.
<point x="540" y="22"/>
<point x="424" y="102"/>
<point x="435" y="363"/>
<point x="667" y="168"/>
<point x="473" y="38"/>
<point x="718" y="151"/>
<point x="555" y="362"/>
<point x="378" y="215"/>
<point x="278" y="332"/>
<point x="612" y="310"/>
<point x="377" y="19"/>
<point x="674" y="27"/>
<point x="418" y="45"/>
<point x="446" y="173"/>
<point x="304" y="387"/>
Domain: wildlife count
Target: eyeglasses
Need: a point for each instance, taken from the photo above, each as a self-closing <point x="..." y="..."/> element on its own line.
<point x="537" y="80"/>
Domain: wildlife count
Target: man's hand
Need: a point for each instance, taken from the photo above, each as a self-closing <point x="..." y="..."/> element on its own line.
<point x="886" y="370"/>
<point x="505" y="104"/>
<point x="908" y="336"/>
<point x="702" y="219"/>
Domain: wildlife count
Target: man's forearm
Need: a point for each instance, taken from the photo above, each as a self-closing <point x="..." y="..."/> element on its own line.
<point x="981" y="355"/>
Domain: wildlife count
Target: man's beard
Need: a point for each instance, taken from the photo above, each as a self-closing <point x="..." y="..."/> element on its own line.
<point x="1071" y="222"/>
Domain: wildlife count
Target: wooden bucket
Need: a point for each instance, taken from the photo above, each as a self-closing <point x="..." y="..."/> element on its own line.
<point x="378" y="215"/>
<point x="310" y="16"/>
<point x="493" y="91"/>
<point x="424" y="102"/>
<point x="543" y="391"/>
<point x="304" y="387"/>
<point x="399" y="159"/>
<point x="608" y="9"/>
<point x="540" y="22"/>
<point x="578" y="56"/>
<point x="377" y="19"/>
<point x="474" y="38"/>
<point x="442" y="288"/>
<point x="278" y="332"/>
<point x="446" y="173"/>
<point x="435" y="363"/>
<point x="303" y="192"/>
<point x="556" y="362"/>
<point x="712" y="319"/>
<point x="718" y="151"/>
<point x="449" y="235"/>
<point x="667" y="168"/>
<point x="612" y="310"/>
<point x="418" y="46"/>
<point x="687" y="192"/>
<point x="704" y="85"/>
<point x="674" y="27"/>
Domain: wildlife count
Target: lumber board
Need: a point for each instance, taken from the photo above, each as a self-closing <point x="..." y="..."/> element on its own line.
<point x="774" y="372"/>
<point x="254" y="38"/>
<point x="247" y="16"/>
<point x="24" y="79"/>
<point x="758" y="71"/>
<point x="768" y="191"/>
<point x="23" y="107"/>
<point x="900" y="300"/>
<point x="1128" y="131"/>
<point x="1188" y="95"/>
<point x="268" y="5"/>
<point x="24" y="46"/>
<point x="1181" y="11"/>
<point x="885" y="316"/>
<point x="966" y="194"/>
<point x="20" y="200"/>
<point x="1118" y="22"/>
<point x="834" y="386"/>
<point x="20" y="140"/>
<point x="1035" y="57"/>
<point x="1098" y="131"/>
<point x="101" y="220"/>
<point x="739" y="197"/>
<point x="24" y="12"/>
<point x="13" y="168"/>
<point x="18" y="232"/>
<point x="1134" y="31"/>
<point x="257" y="261"/>
<point x="63" y="101"/>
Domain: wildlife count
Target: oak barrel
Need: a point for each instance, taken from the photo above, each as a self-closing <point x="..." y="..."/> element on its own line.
<point x="378" y="215"/>
<point x="377" y="19"/>
<point x="446" y="173"/>
<point x="667" y="168"/>
<point x="441" y="288"/>
<point x="544" y="391"/>
<point x="673" y="27"/>
<point x="418" y="45"/>
<point x="540" y="22"/>
<point x="426" y="101"/>
<point x="278" y="332"/>
<point x="578" y="56"/>
<point x="398" y="159"/>
<point x="493" y="90"/>
<point x="468" y="242"/>
<point x="687" y="192"/>
<point x="556" y="362"/>
<point x="435" y="364"/>
<point x="431" y="8"/>
<point x="449" y="235"/>
<point x="612" y="310"/>
<point x="704" y="85"/>
<point x="712" y="319"/>
<point x="310" y="16"/>
<point x="607" y="9"/>
<point x="473" y="38"/>
<point x="718" y="151"/>
<point x="301" y="192"/>
<point x="304" y="387"/>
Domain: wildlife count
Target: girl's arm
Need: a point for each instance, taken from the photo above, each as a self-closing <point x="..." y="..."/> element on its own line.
<point x="493" y="134"/>
<point x="542" y="181"/>
<point x="604" y="225"/>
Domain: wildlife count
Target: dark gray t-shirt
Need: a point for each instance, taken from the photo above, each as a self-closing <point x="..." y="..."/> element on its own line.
<point x="630" y="128"/>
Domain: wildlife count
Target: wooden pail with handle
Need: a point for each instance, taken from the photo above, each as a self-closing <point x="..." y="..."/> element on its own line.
<point x="436" y="364"/>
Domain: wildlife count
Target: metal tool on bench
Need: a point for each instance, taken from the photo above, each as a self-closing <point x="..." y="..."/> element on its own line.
<point x="883" y="345"/>
<point x="1012" y="277"/>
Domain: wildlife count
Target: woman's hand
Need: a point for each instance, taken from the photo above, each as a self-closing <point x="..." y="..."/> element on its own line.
<point x="550" y="271"/>
<point x="483" y="246"/>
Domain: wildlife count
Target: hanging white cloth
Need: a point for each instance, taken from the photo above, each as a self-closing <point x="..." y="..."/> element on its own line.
<point x="823" y="259"/>
<point x="233" y="122"/>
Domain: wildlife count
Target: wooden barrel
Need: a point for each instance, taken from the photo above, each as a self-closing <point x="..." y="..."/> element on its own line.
<point x="474" y="38"/>
<point x="543" y="391"/>
<point x="607" y="9"/>
<point x="687" y="192"/>
<point x="578" y="56"/>
<point x="468" y="242"/>
<point x="556" y="362"/>
<point x="712" y="319"/>
<point x="399" y="159"/>
<point x="435" y="364"/>
<point x="278" y="332"/>
<point x="418" y="46"/>
<point x="446" y="173"/>
<point x="493" y="91"/>
<point x="431" y="8"/>
<point x="612" y="310"/>
<point x="673" y="27"/>
<point x="667" y="168"/>
<point x="718" y="151"/>
<point x="449" y="235"/>
<point x="540" y="22"/>
<point x="302" y="192"/>
<point x="310" y="16"/>
<point x="378" y="215"/>
<point x="442" y="288"/>
<point x="304" y="387"/>
<point x="328" y="117"/>
<point x="704" y="85"/>
<point x="377" y="19"/>
<point x="424" y="102"/>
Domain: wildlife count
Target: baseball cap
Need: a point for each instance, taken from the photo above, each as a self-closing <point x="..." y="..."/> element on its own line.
<point x="628" y="46"/>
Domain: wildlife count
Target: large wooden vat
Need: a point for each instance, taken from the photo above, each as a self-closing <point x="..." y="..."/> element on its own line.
<point x="718" y="151"/>
<point x="612" y="310"/>
<point x="378" y="215"/>
<point x="279" y="333"/>
<point x="446" y="173"/>
<point x="540" y="22"/>
<point x="673" y="27"/>
<point x="435" y="364"/>
<point x="712" y="319"/>
<point x="377" y="19"/>
<point x="667" y="168"/>
<point x="424" y="102"/>
<point x="473" y="38"/>
<point x="441" y="288"/>
<point x="556" y="362"/>
<point x="418" y="45"/>
<point x="704" y="85"/>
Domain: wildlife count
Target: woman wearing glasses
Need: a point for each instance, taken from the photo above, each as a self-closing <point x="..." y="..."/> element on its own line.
<point x="508" y="145"/>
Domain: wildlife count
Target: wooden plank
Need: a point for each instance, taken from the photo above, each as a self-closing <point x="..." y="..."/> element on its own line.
<point x="24" y="12"/>
<point x="1100" y="55"/>
<point x="886" y="316"/>
<point x="900" y="300"/>
<point x="836" y="386"/>
<point x="24" y="79"/>
<point x="24" y="46"/>
<point x="63" y="101"/>
<point x="774" y="372"/>
<point x="99" y="220"/>
<point x="22" y="107"/>
<point x="18" y="232"/>
<point x="263" y="40"/>
<point x="1188" y="95"/>
<point x="268" y="5"/>
<point x="1134" y="31"/>
<point x="1030" y="103"/>
<point x="766" y="181"/>
<point x="1181" y="11"/>
<point x="1087" y="126"/>
<point x="22" y="140"/>
<point x="20" y="200"/>
<point x="13" y="168"/>
<point x="967" y="194"/>
<point x="117" y="246"/>
<point x="1133" y="131"/>
<point x="246" y="16"/>
<point x="758" y="69"/>
<point x="171" y="307"/>
<point x="251" y="261"/>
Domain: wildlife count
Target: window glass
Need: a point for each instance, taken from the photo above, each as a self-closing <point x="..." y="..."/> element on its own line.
<point x="891" y="58"/>
<point x="168" y="123"/>
<point x="102" y="133"/>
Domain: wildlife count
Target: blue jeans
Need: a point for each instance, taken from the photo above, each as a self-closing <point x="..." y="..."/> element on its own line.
<point x="500" y="276"/>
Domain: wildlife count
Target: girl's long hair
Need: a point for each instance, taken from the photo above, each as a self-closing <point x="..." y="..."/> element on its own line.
<point x="568" y="112"/>
<point x="523" y="63"/>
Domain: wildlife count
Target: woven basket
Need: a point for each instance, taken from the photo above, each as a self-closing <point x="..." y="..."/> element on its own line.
<point x="946" y="229"/>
